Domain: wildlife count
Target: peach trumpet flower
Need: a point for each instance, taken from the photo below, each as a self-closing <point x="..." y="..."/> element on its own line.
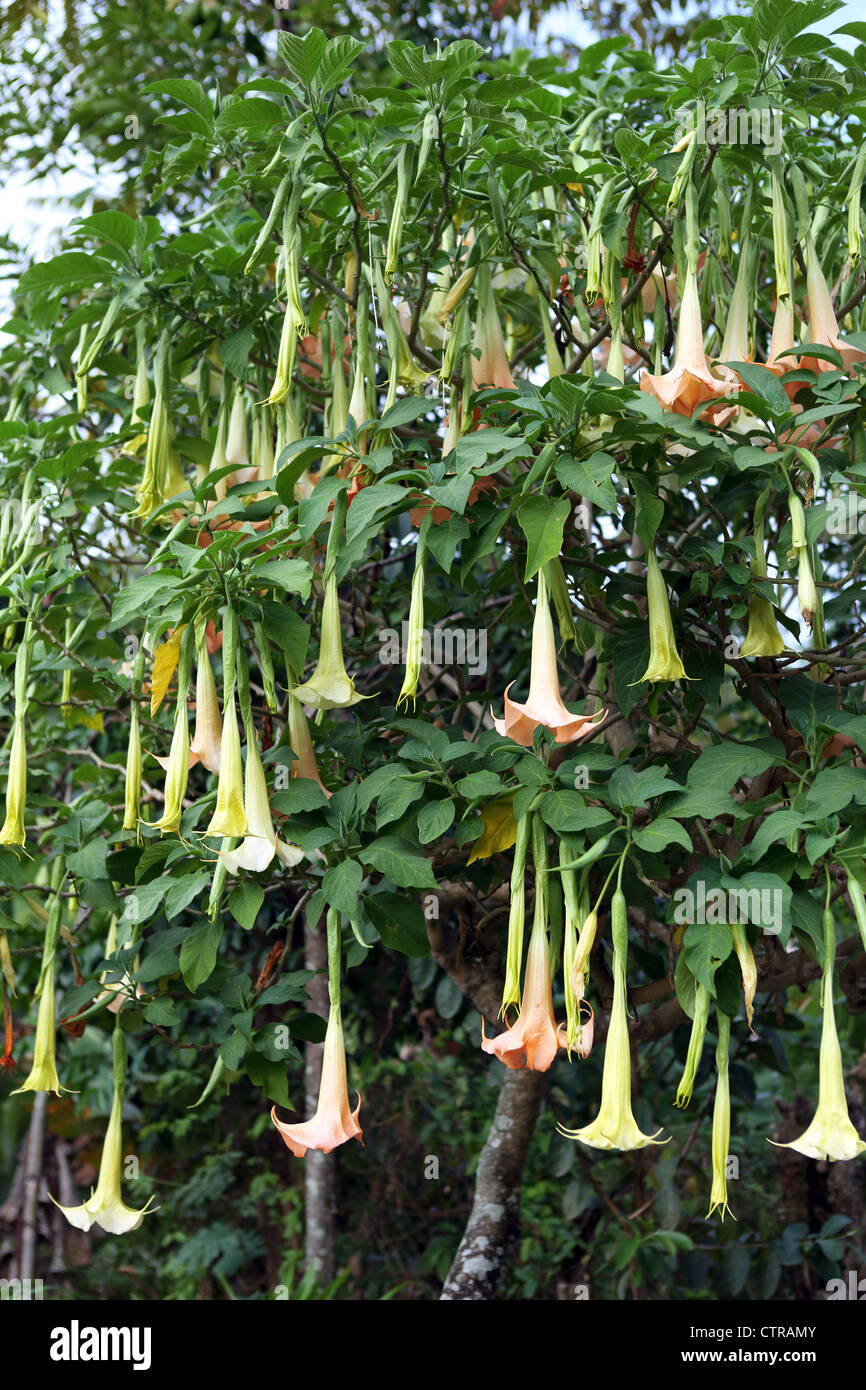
<point x="544" y="705"/>
<point x="690" y="382"/>
<point x="823" y="328"/>
<point x="491" y="368"/>
<point x="781" y="339"/>
<point x="334" y="1121"/>
<point x="536" y="1033"/>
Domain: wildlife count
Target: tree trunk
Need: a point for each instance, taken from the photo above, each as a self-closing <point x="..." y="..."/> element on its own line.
<point x="492" y="1230"/>
<point x="32" y="1178"/>
<point x="319" y="1168"/>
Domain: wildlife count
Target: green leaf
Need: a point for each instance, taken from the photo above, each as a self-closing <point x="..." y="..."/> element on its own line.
<point x="245" y="902"/>
<point x="833" y="789"/>
<point x="434" y="819"/>
<point x="70" y="271"/>
<point x="295" y="576"/>
<point x="656" y="838"/>
<point x="302" y="56"/>
<point x="270" y="1076"/>
<point x="630" y="658"/>
<point x="141" y="904"/>
<point x="542" y="521"/>
<point x="777" y="826"/>
<point x="398" y="861"/>
<point x="89" y="862"/>
<point x="342" y="885"/>
<point x="252" y="114"/>
<point x="566" y="811"/>
<point x="706" y="945"/>
<point x="479" y="785"/>
<point x="198" y="954"/>
<point x="339" y="55"/>
<point x="400" y="923"/>
<point x="163" y="1012"/>
<point x="591" y="478"/>
<point x="186" y="91"/>
<point x="183" y="891"/>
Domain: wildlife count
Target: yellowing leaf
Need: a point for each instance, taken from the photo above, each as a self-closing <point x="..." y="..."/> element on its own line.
<point x="164" y="667"/>
<point x="500" y="829"/>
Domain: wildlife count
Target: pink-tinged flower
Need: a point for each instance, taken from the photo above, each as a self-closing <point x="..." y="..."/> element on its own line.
<point x="491" y="368"/>
<point x="736" y="346"/>
<point x="536" y="1034"/>
<point x="823" y="328"/>
<point x="690" y="382"/>
<point x="334" y="1122"/>
<point x="304" y="762"/>
<point x="544" y="705"/>
<point x="781" y="340"/>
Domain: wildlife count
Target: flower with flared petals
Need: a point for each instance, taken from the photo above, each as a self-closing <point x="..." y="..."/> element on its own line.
<point x="536" y="1034"/>
<point x="763" y="637"/>
<point x="690" y="382"/>
<point x="544" y="705"/>
<point x="105" y="1206"/>
<point x="831" y="1135"/>
<point x="334" y="1121"/>
<point x="261" y="843"/>
<point x="330" y="686"/>
<point x="43" y="1073"/>
<point x="615" y="1127"/>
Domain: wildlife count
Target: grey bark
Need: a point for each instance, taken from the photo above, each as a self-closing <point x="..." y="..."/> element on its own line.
<point x="32" y="1177"/>
<point x="319" y="1168"/>
<point x="491" y="1234"/>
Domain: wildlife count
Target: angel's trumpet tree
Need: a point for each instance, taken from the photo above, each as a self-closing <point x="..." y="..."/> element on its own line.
<point x="536" y="1036"/>
<point x="615" y="1127"/>
<point x="105" y="1206"/>
<point x="544" y="705"/>
<point x="831" y="1135"/>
